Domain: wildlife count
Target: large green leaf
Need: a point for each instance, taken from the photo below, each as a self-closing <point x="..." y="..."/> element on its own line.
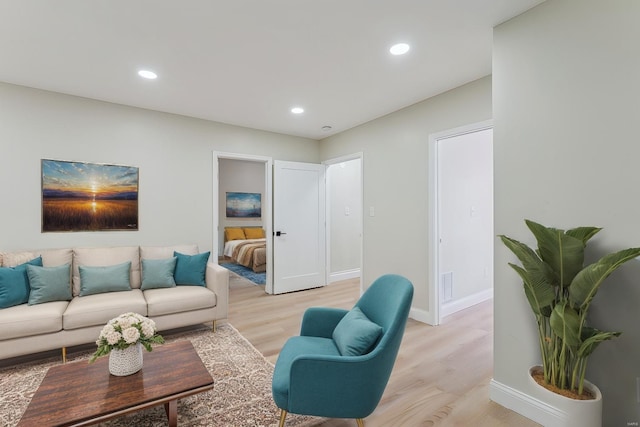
<point x="586" y="283"/>
<point x="583" y="233"/>
<point x="536" y="276"/>
<point x="591" y="338"/>
<point x="565" y="323"/>
<point x="538" y="290"/>
<point x="562" y="252"/>
<point x="525" y="254"/>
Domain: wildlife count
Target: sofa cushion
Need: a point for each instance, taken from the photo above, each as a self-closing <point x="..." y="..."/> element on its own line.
<point x="96" y="257"/>
<point x="355" y="334"/>
<point x="158" y="273"/>
<point x="97" y="280"/>
<point x="164" y="252"/>
<point x="98" y="309"/>
<point x="14" y="284"/>
<point x="191" y="269"/>
<point x="27" y="320"/>
<point x="13" y="259"/>
<point x="178" y="299"/>
<point x="56" y="257"/>
<point x="49" y="283"/>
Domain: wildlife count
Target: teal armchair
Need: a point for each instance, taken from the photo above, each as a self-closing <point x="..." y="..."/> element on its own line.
<point x="339" y="366"/>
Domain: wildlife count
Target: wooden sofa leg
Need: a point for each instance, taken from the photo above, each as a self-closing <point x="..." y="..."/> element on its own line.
<point x="214" y="326"/>
<point x="283" y="415"/>
<point x="360" y="422"/>
<point x="64" y="354"/>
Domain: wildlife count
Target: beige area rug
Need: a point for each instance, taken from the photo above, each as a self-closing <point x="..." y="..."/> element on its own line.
<point x="241" y="395"/>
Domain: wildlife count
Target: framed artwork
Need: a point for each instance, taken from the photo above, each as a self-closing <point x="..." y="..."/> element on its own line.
<point x="79" y="196"/>
<point x="244" y="205"/>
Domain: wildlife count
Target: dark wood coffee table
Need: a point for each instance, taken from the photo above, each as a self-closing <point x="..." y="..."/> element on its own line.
<point x="79" y="393"/>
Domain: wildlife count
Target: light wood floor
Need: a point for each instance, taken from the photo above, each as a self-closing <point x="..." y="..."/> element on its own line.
<point x="441" y="376"/>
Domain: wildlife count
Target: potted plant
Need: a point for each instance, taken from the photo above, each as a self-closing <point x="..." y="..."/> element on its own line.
<point x="560" y="290"/>
<point x="122" y="338"/>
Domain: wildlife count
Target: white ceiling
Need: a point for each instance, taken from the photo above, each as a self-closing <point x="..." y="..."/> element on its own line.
<point x="247" y="62"/>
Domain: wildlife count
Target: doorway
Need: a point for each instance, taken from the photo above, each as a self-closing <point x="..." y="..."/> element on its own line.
<point x="264" y="167"/>
<point x="461" y="228"/>
<point x="353" y="208"/>
<point x="344" y="218"/>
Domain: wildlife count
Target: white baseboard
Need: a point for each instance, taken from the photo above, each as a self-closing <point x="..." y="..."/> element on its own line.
<point x="421" y="316"/>
<point x="466" y="302"/>
<point x="344" y="275"/>
<point x="527" y="406"/>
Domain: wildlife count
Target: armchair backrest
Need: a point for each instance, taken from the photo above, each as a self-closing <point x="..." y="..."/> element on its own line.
<point x="387" y="303"/>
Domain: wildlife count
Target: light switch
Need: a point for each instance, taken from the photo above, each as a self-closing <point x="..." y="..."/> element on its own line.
<point x="347" y="211"/>
<point x="372" y="211"/>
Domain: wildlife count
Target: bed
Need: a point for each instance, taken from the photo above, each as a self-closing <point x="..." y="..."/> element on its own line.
<point x="246" y="246"/>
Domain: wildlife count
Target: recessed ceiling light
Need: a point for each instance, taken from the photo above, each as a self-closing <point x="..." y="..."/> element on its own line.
<point x="399" y="49"/>
<point x="147" y="74"/>
<point x="297" y="110"/>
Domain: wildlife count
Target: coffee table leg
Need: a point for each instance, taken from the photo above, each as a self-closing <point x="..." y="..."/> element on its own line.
<point x="171" y="408"/>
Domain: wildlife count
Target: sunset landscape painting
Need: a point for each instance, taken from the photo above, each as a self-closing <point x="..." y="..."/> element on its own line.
<point x="79" y="196"/>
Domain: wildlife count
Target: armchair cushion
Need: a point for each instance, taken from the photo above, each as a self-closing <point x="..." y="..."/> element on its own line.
<point x="355" y="334"/>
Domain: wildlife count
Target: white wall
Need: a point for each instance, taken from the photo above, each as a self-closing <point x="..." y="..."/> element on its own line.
<point x="174" y="154"/>
<point x="345" y="216"/>
<point x="566" y="94"/>
<point x="395" y="179"/>
<point x="239" y="176"/>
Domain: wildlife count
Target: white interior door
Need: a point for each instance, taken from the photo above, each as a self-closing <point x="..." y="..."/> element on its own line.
<point x="299" y="242"/>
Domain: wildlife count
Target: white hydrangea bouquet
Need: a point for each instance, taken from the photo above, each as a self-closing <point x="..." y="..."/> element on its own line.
<point x="126" y="330"/>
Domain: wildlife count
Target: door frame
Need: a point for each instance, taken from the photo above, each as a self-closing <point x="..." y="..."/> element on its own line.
<point x="334" y="161"/>
<point x="434" y="314"/>
<point x="266" y="206"/>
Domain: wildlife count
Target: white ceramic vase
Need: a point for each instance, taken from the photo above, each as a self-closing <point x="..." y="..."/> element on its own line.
<point x="125" y="362"/>
<point x="583" y="413"/>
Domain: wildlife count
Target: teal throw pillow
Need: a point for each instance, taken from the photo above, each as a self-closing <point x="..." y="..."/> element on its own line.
<point x="14" y="284"/>
<point x="49" y="283"/>
<point x="355" y="334"/>
<point x="191" y="269"/>
<point x="158" y="273"/>
<point x="98" y="280"/>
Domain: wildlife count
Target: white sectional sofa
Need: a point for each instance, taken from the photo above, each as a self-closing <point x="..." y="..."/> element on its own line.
<point x="26" y="328"/>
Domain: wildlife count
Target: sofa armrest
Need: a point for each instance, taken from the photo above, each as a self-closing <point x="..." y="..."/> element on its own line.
<point x="217" y="279"/>
<point x="321" y="321"/>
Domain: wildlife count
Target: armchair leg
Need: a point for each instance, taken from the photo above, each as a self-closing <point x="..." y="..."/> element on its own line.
<point x="360" y="422"/>
<point x="213" y="326"/>
<point x="64" y="354"/>
<point x="283" y="415"/>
